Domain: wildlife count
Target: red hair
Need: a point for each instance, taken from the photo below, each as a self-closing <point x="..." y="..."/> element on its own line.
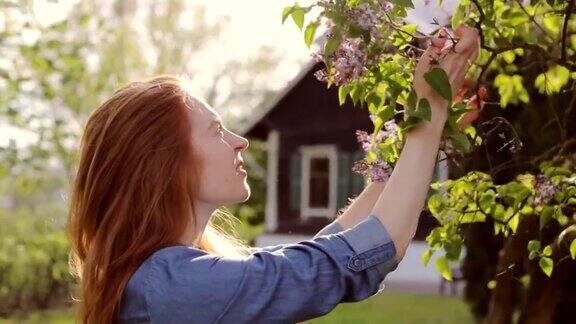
<point x="133" y="191"/>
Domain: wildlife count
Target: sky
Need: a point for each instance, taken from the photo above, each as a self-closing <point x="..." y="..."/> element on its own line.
<point x="253" y="23"/>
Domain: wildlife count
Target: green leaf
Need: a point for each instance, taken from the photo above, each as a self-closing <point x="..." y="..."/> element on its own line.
<point x="412" y="100"/>
<point x="286" y="12"/>
<point x="332" y="43"/>
<point x="573" y="249"/>
<point x="374" y="102"/>
<point x="438" y="80"/>
<point x="310" y="32"/>
<point x="546" y="216"/>
<point x="298" y="16"/>
<point x="513" y="223"/>
<point x="552" y="80"/>
<point x="435" y="204"/>
<point x="356" y="93"/>
<point x="547" y="265"/>
<point x="403" y="3"/>
<point x="460" y="140"/>
<point x="547" y="251"/>
<point x="457" y="17"/>
<point x="424" y="111"/>
<point x="426" y="256"/>
<point x="444" y="268"/>
<point x="487" y="199"/>
<point x="343" y="91"/>
<point x="534" y="245"/>
<point x="511" y="89"/>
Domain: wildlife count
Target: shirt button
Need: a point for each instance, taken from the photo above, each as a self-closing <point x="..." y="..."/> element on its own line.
<point x="357" y="262"/>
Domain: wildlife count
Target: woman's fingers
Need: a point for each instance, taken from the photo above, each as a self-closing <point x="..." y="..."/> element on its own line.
<point x="469" y="39"/>
<point x="454" y="60"/>
<point x="439" y="41"/>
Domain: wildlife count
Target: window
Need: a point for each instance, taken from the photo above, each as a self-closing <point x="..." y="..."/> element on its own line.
<point x="319" y="181"/>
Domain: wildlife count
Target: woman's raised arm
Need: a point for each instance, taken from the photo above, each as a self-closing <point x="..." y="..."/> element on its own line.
<point x="400" y="203"/>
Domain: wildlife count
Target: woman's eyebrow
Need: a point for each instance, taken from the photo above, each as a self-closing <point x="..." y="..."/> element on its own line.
<point x="214" y="122"/>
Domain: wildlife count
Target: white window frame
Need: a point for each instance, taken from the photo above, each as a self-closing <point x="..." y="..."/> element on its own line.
<point x="308" y="152"/>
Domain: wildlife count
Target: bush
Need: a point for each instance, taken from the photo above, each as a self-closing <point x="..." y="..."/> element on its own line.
<point x="33" y="260"/>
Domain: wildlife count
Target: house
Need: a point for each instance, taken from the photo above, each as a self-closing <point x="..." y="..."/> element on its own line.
<point x="311" y="146"/>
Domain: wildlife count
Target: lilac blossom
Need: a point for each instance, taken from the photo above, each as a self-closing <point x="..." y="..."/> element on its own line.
<point x="321" y="75"/>
<point x="364" y="16"/>
<point x="364" y="139"/>
<point x="378" y="170"/>
<point x="349" y="60"/>
<point x="390" y="130"/>
<point x="544" y="189"/>
<point x="369" y="19"/>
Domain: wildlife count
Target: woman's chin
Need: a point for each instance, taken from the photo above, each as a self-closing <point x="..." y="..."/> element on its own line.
<point x="246" y="192"/>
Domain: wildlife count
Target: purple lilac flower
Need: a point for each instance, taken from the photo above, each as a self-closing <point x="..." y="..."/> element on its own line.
<point x="363" y="15"/>
<point x="390" y="130"/>
<point x="364" y="139"/>
<point x="317" y="56"/>
<point x="380" y="171"/>
<point x="349" y="61"/>
<point x="360" y="166"/>
<point x="544" y="189"/>
<point x="385" y="6"/>
<point x="321" y="75"/>
<point x="369" y="19"/>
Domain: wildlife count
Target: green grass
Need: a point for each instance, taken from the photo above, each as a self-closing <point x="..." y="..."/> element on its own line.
<point x="400" y="308"/>
<point x="387" y="307"/>
<point x="57" y="316"/>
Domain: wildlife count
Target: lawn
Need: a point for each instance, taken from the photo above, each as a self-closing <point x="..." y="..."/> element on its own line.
<point x="387" y="307"/>
<point x="400" y="308"/>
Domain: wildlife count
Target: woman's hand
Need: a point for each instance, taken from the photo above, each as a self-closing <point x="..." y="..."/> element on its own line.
<point x="454" y="60"/>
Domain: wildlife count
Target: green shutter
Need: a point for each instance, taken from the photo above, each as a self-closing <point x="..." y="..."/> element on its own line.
<point x="357" y="178"/>
<point x="344" y="170"/>
<point x="295" y="177"/>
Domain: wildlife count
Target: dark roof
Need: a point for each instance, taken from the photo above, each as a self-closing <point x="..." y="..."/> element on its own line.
<point x="254" y="127"/>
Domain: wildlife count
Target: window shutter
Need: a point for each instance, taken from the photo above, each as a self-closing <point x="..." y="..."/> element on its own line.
<point x="344" y="170"/>
<point x="357" y="179"/>
<point x="295" y="176"/>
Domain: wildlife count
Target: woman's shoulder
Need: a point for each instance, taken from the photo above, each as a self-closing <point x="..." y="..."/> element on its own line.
<point x="179" y="281"/>
<point x="178" y="262"/>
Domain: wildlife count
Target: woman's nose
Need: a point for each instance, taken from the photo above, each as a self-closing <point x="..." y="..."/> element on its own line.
<point x="243" y="143"/>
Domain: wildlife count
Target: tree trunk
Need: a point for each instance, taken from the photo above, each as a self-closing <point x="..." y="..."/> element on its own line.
<point x="506" y="294"/>
<point x="545" y="292"/>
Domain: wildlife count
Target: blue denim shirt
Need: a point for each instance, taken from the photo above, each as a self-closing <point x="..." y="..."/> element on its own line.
<point x="278" y="284"/>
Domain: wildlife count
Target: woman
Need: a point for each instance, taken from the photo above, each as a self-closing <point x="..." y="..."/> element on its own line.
<point x="155" y="163"/>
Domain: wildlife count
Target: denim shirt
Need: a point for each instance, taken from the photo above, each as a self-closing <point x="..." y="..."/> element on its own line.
<point x="284" y="283"/>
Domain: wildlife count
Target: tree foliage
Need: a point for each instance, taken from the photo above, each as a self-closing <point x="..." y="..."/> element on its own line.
<point x="513" y="168"/>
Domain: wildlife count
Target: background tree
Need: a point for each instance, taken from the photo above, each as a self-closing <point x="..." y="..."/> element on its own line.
<point x="52" y="75"/>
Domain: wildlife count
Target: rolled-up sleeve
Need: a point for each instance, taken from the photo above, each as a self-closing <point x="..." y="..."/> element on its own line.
<point x="308" y="279"/>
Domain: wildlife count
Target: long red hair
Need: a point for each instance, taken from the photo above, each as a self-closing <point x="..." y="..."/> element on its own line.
<point x="133" y="191"/>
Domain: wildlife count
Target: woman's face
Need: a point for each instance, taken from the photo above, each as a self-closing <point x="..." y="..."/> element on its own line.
<point x="222" y="181"/>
